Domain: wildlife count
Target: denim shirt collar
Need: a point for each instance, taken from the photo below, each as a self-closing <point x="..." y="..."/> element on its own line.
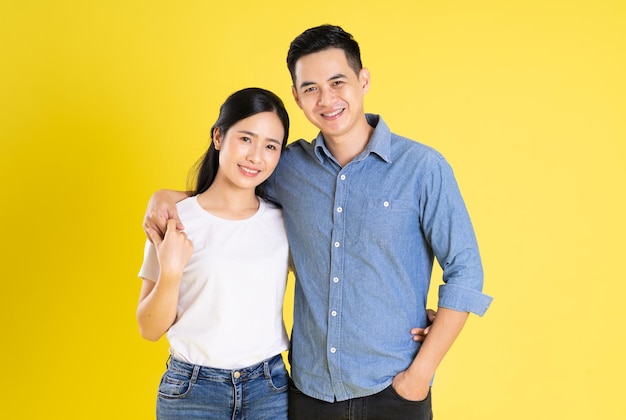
<point x="379" y="143"/>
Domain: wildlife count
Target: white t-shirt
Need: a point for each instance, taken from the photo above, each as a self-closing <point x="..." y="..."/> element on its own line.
<point x="230" y="308"/>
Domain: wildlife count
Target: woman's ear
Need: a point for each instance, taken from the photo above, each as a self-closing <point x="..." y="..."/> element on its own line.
<point x="217" y="138"/>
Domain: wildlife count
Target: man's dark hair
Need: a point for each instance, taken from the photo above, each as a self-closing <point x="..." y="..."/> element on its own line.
<point x="322" y="38"/>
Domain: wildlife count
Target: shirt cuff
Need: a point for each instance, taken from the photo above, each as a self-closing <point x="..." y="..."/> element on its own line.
<point x="462" y="299"/>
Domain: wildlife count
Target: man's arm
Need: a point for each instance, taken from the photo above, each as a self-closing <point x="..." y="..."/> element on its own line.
<point x="448" y="229"/>
<point x="161" y="208"/>
<point x="413" y="384"/>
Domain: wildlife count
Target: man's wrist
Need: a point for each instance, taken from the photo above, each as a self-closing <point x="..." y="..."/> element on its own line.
<point x="419" y="373"/>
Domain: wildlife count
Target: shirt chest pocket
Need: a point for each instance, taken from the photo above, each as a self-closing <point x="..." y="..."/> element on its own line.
<point x="380" y="220"/>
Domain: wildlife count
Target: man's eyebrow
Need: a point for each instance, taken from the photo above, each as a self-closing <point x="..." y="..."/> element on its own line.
<point x="331" y="78"/>
<point x="337" y="76"/>
<point x="305" y="84"/>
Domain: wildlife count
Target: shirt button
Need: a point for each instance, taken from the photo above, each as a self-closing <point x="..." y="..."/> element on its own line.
<point x="343" y="177"/>
<point x="333" y="350"/>
<point x="339" y="209"/>
<point x="386" y="204"/>
<point x="336" y="244"/>
<point x="237" y="375"/>
<point x="336" y="280"/>
<point x="334" y="313"/>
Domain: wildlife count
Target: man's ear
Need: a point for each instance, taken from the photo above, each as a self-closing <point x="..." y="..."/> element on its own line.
<point x="364" y="79"/>
<point x="294" y="92"/>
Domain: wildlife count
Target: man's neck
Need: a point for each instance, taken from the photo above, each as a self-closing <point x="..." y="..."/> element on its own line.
<point x="348" y="146"/>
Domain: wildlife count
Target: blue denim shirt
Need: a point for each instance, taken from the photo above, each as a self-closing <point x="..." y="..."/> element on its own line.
<point x="362" y="239"/>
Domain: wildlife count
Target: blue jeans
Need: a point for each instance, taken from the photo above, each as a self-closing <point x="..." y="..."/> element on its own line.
<point x="192" y="392"/>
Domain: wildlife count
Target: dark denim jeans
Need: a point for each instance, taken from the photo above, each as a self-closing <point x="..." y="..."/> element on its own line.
<point x="385" y="405"/>
<point x="197" y="392"/>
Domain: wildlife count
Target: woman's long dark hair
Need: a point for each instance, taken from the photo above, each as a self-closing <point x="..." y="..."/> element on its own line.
<point x="238" y="106"/>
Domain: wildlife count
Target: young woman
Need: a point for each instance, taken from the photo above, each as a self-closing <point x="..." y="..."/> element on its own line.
<point x="217" y="288"/>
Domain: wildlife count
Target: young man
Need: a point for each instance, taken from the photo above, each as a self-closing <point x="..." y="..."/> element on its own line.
<point x="366" y="211"/>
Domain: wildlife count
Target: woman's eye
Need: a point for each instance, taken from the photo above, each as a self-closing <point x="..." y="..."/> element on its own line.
<point x="246" y="139"/>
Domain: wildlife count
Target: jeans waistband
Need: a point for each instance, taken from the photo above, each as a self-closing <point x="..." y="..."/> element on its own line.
<point x="206" y="372"/>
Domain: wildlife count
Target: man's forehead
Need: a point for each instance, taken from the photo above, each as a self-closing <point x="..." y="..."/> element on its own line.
<point x="324" y="64"/>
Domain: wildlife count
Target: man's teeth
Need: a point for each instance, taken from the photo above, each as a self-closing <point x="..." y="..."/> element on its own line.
<point x="333" y="114"/>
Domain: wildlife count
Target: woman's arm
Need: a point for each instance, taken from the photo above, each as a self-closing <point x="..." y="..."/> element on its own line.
<point x="419" y="334"/>
<point x="158" y="302"/>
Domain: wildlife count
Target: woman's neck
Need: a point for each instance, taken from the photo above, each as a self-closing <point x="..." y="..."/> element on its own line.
<point x="229" y="203"/>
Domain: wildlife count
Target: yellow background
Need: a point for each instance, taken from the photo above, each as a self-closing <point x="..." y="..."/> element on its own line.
<point x="104" y="102"/>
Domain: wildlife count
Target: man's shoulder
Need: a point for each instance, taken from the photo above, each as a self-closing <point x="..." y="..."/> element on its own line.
<point x="298" y="149"/>
<point x="404" y="146"/>
<point x="298" y="145"/>
<point x="401" y="145"/>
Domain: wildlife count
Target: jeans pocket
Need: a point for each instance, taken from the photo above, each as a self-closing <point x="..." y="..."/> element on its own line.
<point x="399" y="397"/>
<point x="174" y="386"/>
<point x="278" y="376"/>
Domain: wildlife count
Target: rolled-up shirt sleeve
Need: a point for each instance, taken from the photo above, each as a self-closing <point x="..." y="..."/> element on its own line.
<point x="449" y="230"/>
<point x="462" y="299"/>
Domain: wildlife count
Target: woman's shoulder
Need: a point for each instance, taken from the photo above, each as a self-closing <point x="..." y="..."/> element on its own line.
<point x="269" y="205"/>
<point x="270" y="209"/>
<point x="187" y="204"/>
